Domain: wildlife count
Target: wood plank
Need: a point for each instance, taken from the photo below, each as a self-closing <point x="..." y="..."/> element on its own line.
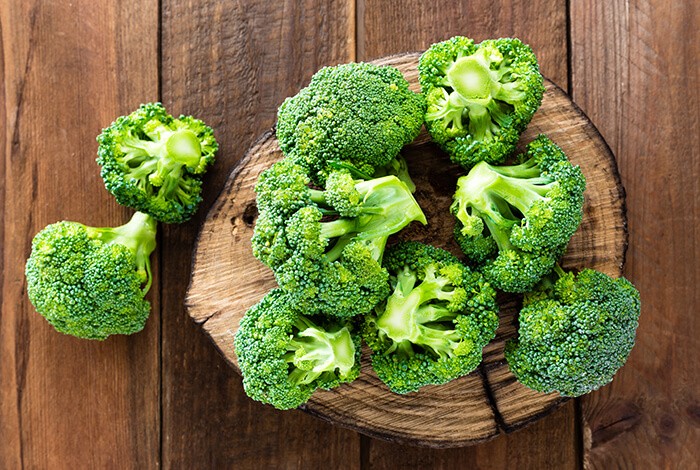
<point x="68" y="70"/>
<point x="635" y="73"/>
<point x="232" y="65"/>
<point x="389" y="27"/>
<point x="531" y="448"/>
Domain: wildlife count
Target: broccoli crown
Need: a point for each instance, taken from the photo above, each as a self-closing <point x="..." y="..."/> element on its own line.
<point x="434" y="325"/>
<point x="480" y="97"/>
<point x="285" y="356"/>
<point x="515" y="221"/>
<point x="360" y="113"/>
<point x="91" y="282"/>
<point x="575" y="332"/>
<point x="325" y="246"/>
<point x="154" y="163"/>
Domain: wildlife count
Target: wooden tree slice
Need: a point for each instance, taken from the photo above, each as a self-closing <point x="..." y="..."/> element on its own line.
<point x="227" y="280"/>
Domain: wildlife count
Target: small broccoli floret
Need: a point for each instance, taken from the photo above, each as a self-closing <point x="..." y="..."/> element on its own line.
<point x="359" y="113"/>
<point x="480" y="97"/>
<point x="327" y="253"/>
<point x="434" y="325"/>
<point x="575" y="332"/>
<point x="154" y="163"/>
<point x="91" y="282"/>
<point x="285" y="356"/>
<point x="515" y="221"/>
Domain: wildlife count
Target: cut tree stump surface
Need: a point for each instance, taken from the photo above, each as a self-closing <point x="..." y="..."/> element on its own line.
<point x="227" y="280"/>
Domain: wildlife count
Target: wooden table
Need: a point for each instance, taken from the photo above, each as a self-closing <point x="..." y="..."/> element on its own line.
<point x="165" y="396"/>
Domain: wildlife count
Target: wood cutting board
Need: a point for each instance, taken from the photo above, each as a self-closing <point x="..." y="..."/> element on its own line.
<point x="227" y="280"/>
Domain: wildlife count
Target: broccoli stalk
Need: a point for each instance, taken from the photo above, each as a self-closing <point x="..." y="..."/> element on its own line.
<point x="138" y="235"/>
<point x="411" y="319"/>
<point x="313" y="351"/>
<point x="433" y="326"/>
<point x="91" y="282"/>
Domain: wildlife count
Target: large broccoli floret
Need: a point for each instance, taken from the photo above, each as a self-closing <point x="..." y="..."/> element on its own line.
<point x="285" y="356"/>
<point x="359" y="113"/>
<point x="434" y="325"/>
<point x="515" y="221"/>
<point x="154" y="163"/>
<point x="325" y="246"/>
<point x="91" y="282"/>
<point x="575" y="332"/>
<point x="480" y="97"/>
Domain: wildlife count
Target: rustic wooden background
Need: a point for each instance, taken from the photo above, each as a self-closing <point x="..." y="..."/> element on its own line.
<point x="165" y="397"/>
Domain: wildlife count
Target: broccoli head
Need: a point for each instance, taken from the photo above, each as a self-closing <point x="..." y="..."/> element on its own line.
<point x="325" y="246"/>
<point x="480" y="97"/>
<point x="434" y="325"/>
<point x="515" y="221"/>
<point x="90" y="282"/>
<point x="285" y="356"/>
<point x="154" y="163"/>
<point x="360" y="113"/>
<point x="575" y="332"/>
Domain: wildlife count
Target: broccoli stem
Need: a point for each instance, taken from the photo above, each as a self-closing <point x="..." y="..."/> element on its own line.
<point x="492" y="192"/>
<point x="138" y="235"/>
<point x="313" y="351"/>
<point x="317" y="196"/>
<point x="407" y="320"/>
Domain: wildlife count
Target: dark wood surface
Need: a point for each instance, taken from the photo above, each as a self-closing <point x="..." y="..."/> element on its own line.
<point x="165" y="397"/>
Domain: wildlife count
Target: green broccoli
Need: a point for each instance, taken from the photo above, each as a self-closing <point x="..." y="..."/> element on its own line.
<point x="325" y="246"/>
<point x="515" y="221"/>
<point x="285" y="356"/>
<point x="91" y="282"/>
<point x="480" y="97"/>
<point x="359" y="113"/>
<point x="154" y="163"/>
<point x="575" y="332"/>
<point x="434" y="325"/>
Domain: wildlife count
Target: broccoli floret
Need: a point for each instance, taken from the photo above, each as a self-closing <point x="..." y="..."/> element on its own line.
<point x="515" y="221"/>
<point x="90" y="282"/>
<point x="360" y="113"/>
<point x="325" y="246"/>
<point x="154" y="163"/>
<point x="575" y="332"/>
<point x="434" y="325"/>
<point x="285" y="356"/>
<point x="480" y="97"/>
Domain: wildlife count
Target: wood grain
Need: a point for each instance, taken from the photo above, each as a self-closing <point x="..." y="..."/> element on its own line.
<point x="68" y="70"/>
<point x="226" y="280"/>
<point x="232" y="64"/>
<point x="635" y="73"/>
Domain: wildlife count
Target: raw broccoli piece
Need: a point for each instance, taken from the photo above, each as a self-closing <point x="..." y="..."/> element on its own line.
<point x="360" y="113"/>
<point x="90" y="282"/>
<point x="325" y="246"/>
<point x="434" y="325"/>
<point x="285" y="356"/>
<point x="480" y="97"/>
<point x="515" y="221"/>
<point x="154" y="163"/>
<point x="575" y="332"/>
